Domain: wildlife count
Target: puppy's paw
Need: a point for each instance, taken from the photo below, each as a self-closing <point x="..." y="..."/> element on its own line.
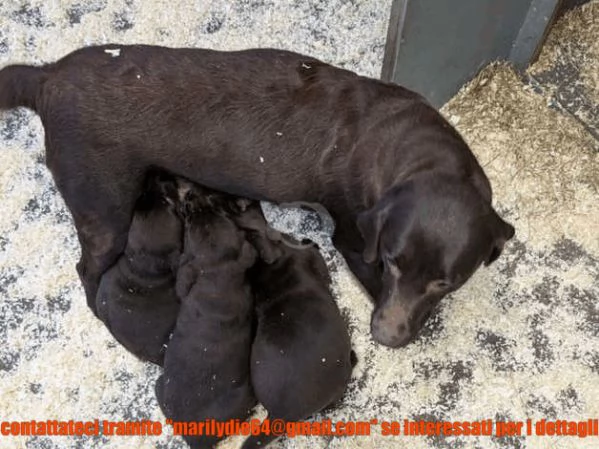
<point x="248" y="254"/>
<point x="353" y="358"/>
<point x="183" y="188"/>
<point x="268" y="249"/>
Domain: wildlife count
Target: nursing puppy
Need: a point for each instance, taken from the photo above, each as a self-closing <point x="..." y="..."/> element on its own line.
<point x="136" y="298"/>
<point x="207" y="363"/>
<point x="412" y="205"/>
<point x="301" y="356"/>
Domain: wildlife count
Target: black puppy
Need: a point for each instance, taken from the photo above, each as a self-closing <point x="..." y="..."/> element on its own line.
<point x="301" y="355"/>
<point x="412" y="205"/>
<point x="207" y="363"/>
<point x="136" y="298"/>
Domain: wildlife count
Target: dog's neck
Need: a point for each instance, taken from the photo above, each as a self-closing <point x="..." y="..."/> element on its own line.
<point x="346" y="200"/>
<point x="358" y="173"/>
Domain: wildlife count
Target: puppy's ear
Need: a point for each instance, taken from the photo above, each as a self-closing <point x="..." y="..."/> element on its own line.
<point x="263" y="237"/>
<point x="248" y="254"/>
<point x="370" y="224"/>
<point x="183" y="188"/>
<point x="186" y="277"/>
<point x="269" y="250"/>
<point x="251" y="220"/>
<point x="502" y="232"/>
<point x="243" y="203"/>
<point x="191" y="203"/>
<point x="168" y="190"/>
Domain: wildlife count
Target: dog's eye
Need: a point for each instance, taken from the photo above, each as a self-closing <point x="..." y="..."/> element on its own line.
<point x="438" y="285"/>
<point x="443" y="284"/>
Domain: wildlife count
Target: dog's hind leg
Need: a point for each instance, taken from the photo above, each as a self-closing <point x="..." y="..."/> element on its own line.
<point x="102" y="239"/>
<point x="102" y="208"/>
<point x="102" y="230"/>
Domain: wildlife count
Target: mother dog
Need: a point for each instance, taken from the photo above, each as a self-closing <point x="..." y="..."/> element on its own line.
<point x="411" y="203"/>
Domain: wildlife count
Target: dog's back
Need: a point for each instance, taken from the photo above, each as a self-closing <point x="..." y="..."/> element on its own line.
<point x="252" y="103"/>
<point x="136" y="299"/>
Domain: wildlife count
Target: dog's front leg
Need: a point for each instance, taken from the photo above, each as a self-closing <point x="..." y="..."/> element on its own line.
<point x="369" y="275"/>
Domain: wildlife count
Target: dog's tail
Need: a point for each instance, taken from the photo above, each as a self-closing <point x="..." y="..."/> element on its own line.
<point x="20" y="85"/>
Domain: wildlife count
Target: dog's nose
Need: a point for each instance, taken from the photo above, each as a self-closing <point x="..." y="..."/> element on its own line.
<point x="390" y="334"/>
<point x="391" y="325"/>
<point x="395" y="339"/>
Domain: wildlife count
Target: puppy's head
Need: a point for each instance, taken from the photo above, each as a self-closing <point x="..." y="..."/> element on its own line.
<point x="426" y="239"/>
<point x="156" y="227"/>
<point x="210" y="233"/>
<point x="196" y="199"/>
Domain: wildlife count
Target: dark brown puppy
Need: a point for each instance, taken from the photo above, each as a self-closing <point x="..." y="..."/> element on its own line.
<point x="301" y="354"/>
<point x="411" y="203"/>
<point x="207" y="362"/>
<point x="136" y="298"/>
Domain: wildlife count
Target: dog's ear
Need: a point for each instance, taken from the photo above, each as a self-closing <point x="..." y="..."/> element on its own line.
<point x="502" y="232"/>
<point x="370" y="224"/>
<point x="395" y="206"/>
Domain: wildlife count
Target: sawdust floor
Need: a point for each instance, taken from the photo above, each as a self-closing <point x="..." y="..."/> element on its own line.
<point x="520" y="340"/>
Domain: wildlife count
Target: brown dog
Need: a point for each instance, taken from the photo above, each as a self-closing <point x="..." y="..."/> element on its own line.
<point x="411" y="203"/>
<point x="207" y="362"/>
<point x="136" y="298"/>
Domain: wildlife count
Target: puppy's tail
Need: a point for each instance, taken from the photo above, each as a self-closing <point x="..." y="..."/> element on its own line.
<point x="353" y="358"/>
<point x="20" y="85"/>
<point x="263" y="439"/>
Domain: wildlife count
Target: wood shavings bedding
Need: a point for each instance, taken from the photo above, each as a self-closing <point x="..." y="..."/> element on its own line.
<point x="518" y="341"/>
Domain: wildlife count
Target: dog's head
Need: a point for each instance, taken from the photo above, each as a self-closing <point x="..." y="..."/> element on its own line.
<point x="426" y="239"/>
<point x="156" y="227"/>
